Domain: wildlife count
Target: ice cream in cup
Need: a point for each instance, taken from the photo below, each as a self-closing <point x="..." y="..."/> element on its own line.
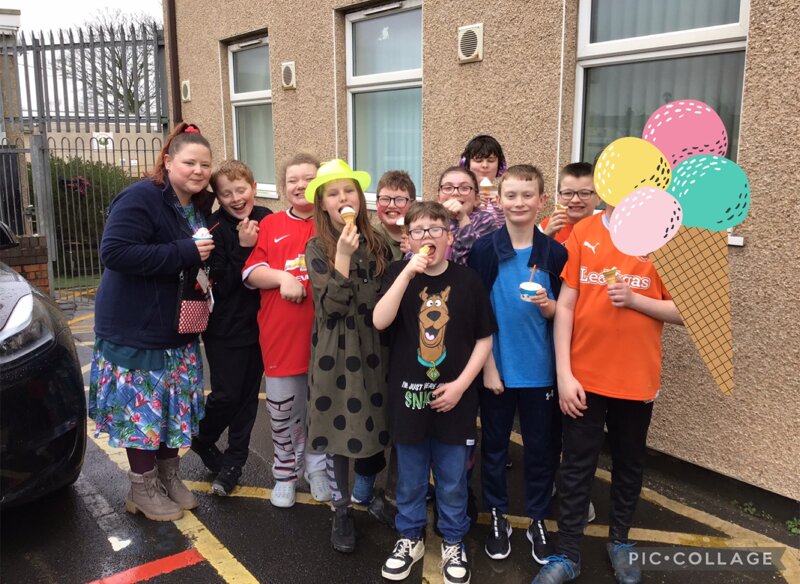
<point x="202" y="234"/>
<point x="611" y="274"/>
<point x="527" y="290"/>
<point x="348" y="214"/>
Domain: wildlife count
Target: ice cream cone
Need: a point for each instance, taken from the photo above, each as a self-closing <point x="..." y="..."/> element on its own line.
<point x="348" y="215"/>
<point x="694" y="268"/>
<point x="425" y="250"/>
<point x="610" y="274"/>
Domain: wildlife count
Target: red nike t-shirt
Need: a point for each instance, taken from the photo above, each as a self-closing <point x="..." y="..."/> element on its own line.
<point x="284" y="327"/>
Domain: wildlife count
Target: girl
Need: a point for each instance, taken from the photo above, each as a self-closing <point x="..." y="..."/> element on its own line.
<point x="458" y="192"/>
<point x="346" y="410"/>
<point x="146" y="381"/>
<point x="484" y="156"/>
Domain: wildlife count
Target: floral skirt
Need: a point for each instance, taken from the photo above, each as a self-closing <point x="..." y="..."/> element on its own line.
<point x="145" y="409"/>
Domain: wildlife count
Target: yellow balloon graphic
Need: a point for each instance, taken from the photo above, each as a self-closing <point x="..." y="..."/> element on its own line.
<point x="628" y="164"/>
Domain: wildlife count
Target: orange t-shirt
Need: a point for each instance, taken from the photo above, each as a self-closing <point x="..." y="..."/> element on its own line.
<point x="562" y="234"/>
<point x="615" y="352"/>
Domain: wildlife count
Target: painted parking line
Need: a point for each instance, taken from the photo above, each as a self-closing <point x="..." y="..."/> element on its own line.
<point x="212" y="549"/>
<point x="156" y="568"/>
<point x="81" y="318"/>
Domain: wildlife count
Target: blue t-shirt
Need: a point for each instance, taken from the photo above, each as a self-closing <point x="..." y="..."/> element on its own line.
<point x="523" y="347"/>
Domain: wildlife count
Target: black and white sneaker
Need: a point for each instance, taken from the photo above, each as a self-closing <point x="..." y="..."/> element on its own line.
<point x="226" y="481"/>
<point x="405" y="554"/>
<point x="455" y="567"/>
<point x="541" y="544"/>
<point x="498" y="544"/>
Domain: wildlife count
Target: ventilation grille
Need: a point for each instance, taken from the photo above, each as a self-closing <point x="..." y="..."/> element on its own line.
<point x="470" y="43"/>
<point x="288" y="75"/>
<point x="186" y="91"/>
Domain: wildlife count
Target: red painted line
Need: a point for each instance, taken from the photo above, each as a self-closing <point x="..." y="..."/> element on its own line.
<point x="153" y="569"/>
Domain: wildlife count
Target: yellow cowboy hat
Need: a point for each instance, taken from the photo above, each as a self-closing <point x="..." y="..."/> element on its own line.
<point x="334" y="170"/>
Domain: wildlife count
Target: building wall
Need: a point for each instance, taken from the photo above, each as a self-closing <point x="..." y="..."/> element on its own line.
<point x="515" y="94"/>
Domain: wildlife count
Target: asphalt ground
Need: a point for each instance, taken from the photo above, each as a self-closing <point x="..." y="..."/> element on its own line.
<point x="82" y="534"/>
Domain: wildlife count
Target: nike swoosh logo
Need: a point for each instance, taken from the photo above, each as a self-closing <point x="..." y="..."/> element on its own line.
<point x="277" y="239"/>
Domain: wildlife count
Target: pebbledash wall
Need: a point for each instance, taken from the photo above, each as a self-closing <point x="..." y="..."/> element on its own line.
<point x="518" y="93"/>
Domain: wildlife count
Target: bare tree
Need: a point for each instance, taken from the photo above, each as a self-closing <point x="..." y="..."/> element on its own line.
<point x="114" y="55"/>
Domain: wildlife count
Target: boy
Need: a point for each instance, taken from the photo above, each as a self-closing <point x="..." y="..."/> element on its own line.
<point x="231" y="339"/>
<point x="441" y="324"/>
<point x="608" y="358"/>
<point x="519" y="252"/>
<point x="576" y="199"/>
<point x="396" y="191"/>
<point x="277" y="267"/>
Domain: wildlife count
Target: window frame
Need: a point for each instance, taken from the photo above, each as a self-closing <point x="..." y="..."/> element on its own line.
<point x="355" y="84"/>
<point x="247" y="98"/>
<point x="709" y="40"/>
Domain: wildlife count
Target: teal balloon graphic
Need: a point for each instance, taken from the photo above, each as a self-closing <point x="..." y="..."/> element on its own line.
<point x="713" y="191"/>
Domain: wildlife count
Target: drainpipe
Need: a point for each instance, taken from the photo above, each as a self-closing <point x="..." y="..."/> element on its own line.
<point x="174" y="81"/>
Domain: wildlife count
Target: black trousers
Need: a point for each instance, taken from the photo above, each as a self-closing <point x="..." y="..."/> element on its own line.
<point x="236" y="374"/>
<point x="627" y="422"/>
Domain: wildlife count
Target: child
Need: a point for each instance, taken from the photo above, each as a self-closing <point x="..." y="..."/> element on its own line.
<point x="347" y="411"/>
<point x="231" y="339"/>
<point x="277" y="267"/>
<point x="441" y="324"/>
<point x="576" y="199"/>
<point x="519" y="252"/>
<point x="395" y="191"/>
<point x="458" y="192"/>
<point x="603" y="382"/>
<point x="484" y="156"/>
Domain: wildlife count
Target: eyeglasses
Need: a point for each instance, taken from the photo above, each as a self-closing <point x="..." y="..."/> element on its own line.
<point x="462" y="189"/>
<point x="434" y="232"/>
<point x="583" y="195"/>
<point x="400" y="202"/>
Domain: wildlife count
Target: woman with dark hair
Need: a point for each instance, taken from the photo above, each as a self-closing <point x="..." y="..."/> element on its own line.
<point x="146" y="381"/>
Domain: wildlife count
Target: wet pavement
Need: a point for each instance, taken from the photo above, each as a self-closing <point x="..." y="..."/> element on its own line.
<point x="83" y="534"/>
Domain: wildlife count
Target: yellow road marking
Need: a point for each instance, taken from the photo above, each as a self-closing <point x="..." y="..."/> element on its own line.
<point x="81" y="318"/>
<point x="253" y="493"/>
<point x="226" y="565"/>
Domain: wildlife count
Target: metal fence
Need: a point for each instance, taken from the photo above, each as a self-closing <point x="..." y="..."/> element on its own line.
<point x="83" y="113"/>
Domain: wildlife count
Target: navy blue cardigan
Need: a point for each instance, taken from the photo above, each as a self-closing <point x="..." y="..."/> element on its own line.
<point x="547" y="254"/>
<point x="146" y="243"/>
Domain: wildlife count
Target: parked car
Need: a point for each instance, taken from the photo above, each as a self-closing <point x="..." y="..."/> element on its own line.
<point x="42" y="401"/>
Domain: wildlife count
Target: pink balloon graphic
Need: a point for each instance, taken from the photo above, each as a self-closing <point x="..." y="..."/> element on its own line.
<point x="645" y="220"/>
<point x="681" y="129"/>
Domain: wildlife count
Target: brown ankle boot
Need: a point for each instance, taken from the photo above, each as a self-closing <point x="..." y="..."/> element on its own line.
<point x="168" y="473"/>
<point x="149" y="496"/>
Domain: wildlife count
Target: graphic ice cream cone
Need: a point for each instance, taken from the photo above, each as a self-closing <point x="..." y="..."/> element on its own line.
<point x="694" y="268"/>
<point x="348" y="214"/>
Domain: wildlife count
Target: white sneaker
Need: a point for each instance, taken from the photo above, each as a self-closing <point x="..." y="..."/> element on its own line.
<point x="592" y="515"/>
<point x="406" y="553"/>
<point x="283" y="494"/>
<point x="320" y="488"/>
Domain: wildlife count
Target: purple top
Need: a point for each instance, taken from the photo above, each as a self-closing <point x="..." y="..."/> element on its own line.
<point x="480" y="223"/>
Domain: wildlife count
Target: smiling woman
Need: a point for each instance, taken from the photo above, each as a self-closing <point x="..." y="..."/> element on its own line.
<point x="146" y="381"/>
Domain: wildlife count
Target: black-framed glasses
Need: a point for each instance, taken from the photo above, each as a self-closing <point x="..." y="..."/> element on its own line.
<point x="583" y="195"/>
<point x="435" y="232"/>
<point x="462" y="189"/>
<point x="399" y="202"/>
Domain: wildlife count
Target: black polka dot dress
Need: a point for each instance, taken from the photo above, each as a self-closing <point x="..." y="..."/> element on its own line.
<point x="347" y="372"/>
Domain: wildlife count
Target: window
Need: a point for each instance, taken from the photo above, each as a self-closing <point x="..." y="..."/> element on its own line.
<point x="636" y="55"/>
<point x="251" y="99"/>
<point x="384" y="89"/>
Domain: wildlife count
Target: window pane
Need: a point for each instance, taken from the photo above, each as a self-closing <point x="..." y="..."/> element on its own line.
<point x="622" y="19"/>
<point x="254" y="144"/>
<point x="387" y="132"/>
<point x="620" y="98"/>
<point x="388" y="43"/>
<point x="251" y="70"/>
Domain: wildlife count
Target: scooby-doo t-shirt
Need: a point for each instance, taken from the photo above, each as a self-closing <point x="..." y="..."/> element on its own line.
<point x="431" y="340"/>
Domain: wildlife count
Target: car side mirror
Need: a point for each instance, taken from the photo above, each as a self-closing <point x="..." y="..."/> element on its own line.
<point x="7" y="238"/>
